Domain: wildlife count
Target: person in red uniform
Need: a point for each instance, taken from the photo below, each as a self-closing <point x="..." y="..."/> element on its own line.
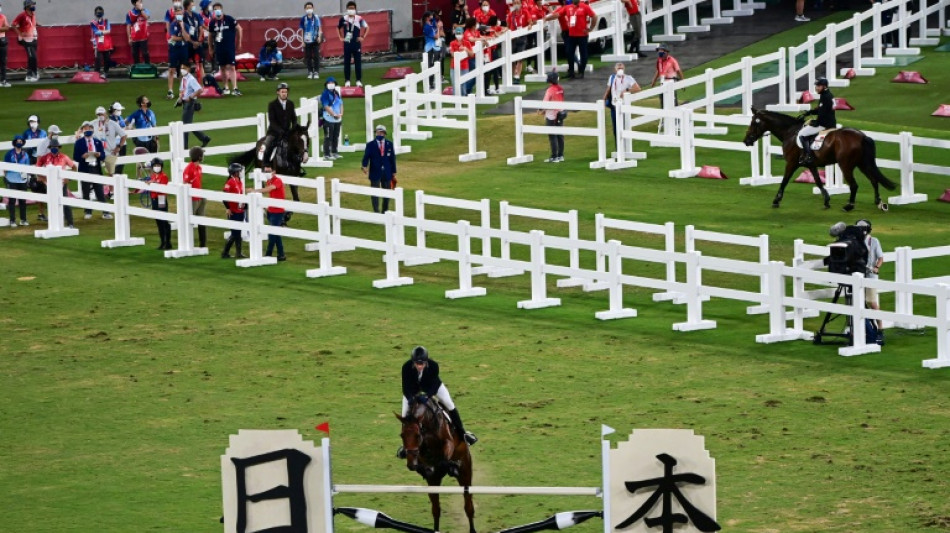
<point x="160" y="203"/>
<point x="459" y="44"/>
<point x="192" y="176"/>
<point x="56" y="158"/>
<point x="275" y="215"/>
<point x="483" y="13"/>
<point x="235" y="210"/>
<point x="517" y="20"/>
<point x="25" y="26"/>
<point x="564" y="14"/>
<point x="579" y="25"/>
<point x="635" y="20"/>
<point x="101" y="41"/>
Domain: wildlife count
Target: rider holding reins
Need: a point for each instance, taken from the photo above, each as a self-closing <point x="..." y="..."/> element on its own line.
<point x="421" y="375"/>
<point x="281" y="118"/>
<point x="826" y="120"/>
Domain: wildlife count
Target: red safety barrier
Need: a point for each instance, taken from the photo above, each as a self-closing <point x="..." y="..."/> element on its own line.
<point x="59" y="46"/>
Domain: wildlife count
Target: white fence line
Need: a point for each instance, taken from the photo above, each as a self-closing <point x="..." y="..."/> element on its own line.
<point x="521" y="128"/>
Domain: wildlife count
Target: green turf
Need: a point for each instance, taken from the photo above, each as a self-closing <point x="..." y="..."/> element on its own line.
<point x="123" y="373"/>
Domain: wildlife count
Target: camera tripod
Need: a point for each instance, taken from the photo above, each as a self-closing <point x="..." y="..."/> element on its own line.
<point x="846" y="335"/>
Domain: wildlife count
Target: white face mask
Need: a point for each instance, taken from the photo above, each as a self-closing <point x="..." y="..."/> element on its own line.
<point x="179" y="17"/>
<point x="309" y="11"/>
<point x="156" y="169"/>
<point x="485" y="9"/>
<point x="34" y="125"/>
<point x="331" y="86"/>
<point x="620" y="73"/>
<point x="458" y="36"/>
<point x="351" y="12"/>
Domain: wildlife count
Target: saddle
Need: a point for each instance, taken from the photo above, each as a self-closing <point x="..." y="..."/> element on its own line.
<point x="817" y="141"/>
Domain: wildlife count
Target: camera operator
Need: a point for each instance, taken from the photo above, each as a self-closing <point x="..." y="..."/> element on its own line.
<point x="875" y="259"/>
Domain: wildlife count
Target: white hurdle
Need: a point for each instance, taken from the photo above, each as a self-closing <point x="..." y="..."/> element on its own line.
<point x="603" y="223"/>
<point x="506" y="211"/>
<point x="521" y="128"/>
<point x="468" y="124"/>
<point x="481" y="207"/>
<point x="761" y="243"/>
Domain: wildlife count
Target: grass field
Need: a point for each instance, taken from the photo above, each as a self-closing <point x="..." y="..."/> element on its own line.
<point x="123" y="373"/>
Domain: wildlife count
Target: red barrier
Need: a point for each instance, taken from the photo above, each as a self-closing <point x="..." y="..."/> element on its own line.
<point x="71" y="46"/>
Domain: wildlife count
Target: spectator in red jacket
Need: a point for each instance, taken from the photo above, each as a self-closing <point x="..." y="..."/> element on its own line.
<point x="25" y="26"/>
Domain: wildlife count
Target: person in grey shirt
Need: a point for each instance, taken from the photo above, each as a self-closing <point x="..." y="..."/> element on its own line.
<point x="875" y="260"/>
<point x="188" y="93"/>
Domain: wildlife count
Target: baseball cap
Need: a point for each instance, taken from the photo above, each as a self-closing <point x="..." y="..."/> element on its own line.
<point x="33" y="118"/>
<point x="380" y="127"/>
<point x="100" y="110"/>
<point x="54" y="129"/>
<point x="117" y="106"/>
<point x="54" y="143"/>
<point x="89" y="123"/>
<point x="331" y="79"/>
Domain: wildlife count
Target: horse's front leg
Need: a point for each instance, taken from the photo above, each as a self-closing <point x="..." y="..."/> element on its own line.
<point x="821" y="186"/>
<point x="789" y="168"/>
<point x="436" y="509"/>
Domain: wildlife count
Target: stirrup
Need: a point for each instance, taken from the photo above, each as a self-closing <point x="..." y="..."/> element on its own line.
<point x="401" y="452"/>
<point x="470" y="438"/>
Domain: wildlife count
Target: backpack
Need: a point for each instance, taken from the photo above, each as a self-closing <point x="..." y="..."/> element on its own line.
<point x="143" y="71"/>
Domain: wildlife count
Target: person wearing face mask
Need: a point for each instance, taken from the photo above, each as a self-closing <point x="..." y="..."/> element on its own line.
<point x="192" y="176"/>
<point x="483" y="13"/>
<point x="143" y="118"/>
<point x="56" y="158"/>
<point x="227" y="41"/>
<point x="101" y="41"/>
<point x="379" y="163"/>
<point x="178" y="41"/>
<point x="115" y="115"/>
<point x="312" y="31"/>
<point x="25" y="26"/>
<point x="89" y="153"/>
<point x="619" y="84"/>
<point x="195" y="29"/>
<point x="332" y="105"/>
<point x="170" y="16"/>
<point x="188" y="93"/>
<point x="460" y="44"/>
<point x="234" y="185"/>
<point x="33" y="131"/>
<point x="112" y="137"/>
<point x="352" y="30"/>
<point x="554" y="117"/>
<point x="270" y="61"/>
<point x="667" y="68"/>
<point x="160" y="203"/>
<point x="16" y="180"/>
<point x="517" y="19"/>
<point x="434" y="43"/>
<point x="4" y="28"/>
<point x="136" y="28"/>
<point x="206" y="17"/>
<point x="43" y="148"/>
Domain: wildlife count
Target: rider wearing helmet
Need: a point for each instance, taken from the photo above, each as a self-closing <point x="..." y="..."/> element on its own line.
<point x="826" y="120"/>
<point x="281" y="118"/>
<point x="421" y="375"/>
<point x="234" y="185"/>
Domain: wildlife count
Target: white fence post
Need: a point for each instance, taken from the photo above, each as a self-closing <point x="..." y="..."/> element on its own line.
<point x="123" y="226"/>
<point x="693" y="297"/>
<point x="614" y="280"/>
<point x="943" y="329"/>
<point x="539" y="288"/>
<point x="465" y="289"/>
<point x="255" y="220"/>
<point x="54" y="208"/>
<point x="391" y="257"/>
<point x="324" y="246"/>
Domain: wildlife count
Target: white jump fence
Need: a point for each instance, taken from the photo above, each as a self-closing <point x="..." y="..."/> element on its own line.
<point x="692" y="290"/>
<point x="521" y="129"/>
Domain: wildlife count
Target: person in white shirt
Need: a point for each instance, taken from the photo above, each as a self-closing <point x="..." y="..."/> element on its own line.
<point x="112" y="136"/>
<point x="188" y="92"/>
<point x="620" y="83"/>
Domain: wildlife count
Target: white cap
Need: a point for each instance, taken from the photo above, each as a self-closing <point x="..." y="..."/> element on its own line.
<point x="117" y="106"/>
<point x="54" y="129"/>
<point x="380" y="127"/>
<point x="33" y="118"/>
<point x="100" y="110"/>
<point x="89" y="123"/>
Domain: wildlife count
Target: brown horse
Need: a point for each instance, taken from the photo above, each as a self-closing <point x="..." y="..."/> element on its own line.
<point x="434" y="449"/>
<point x="847" y="147"/>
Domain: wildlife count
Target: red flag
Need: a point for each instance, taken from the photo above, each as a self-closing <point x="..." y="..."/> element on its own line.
<point x="324" y="427"/>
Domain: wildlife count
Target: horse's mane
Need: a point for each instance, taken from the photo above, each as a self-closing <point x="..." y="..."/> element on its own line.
<point x="782" y="119"/>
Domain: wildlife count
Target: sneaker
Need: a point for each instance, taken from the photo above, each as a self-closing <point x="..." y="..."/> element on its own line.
<point x="316" y="75"/>
<point x="347" y="84"/>
<point x="169" y="95"/>
<point x="337" y="156"/>
<point x="107" y="216"/>
<point x="470" y="438"/>
<point x="87" y="216"/>
<point x="42" y="218"/>
<point x="559" y="160"/>
<point x="359" y="84"/>
<point x="310" y="75"/>
<point x="70" y="226"/>
<point x="530" y="69"/>
<point x="104" y="75"/>
<point x="491" y="92"/>
<point x="226" y="92"/>
<point x="262" y="78"/>
<point x="551" y="160"/>
<point x="328" y="158"/>
<point x="236" y="92"/>
<point x="275" y="78"/>
<point x="281" y="257"/>
<point x="13" y="223"/>
<point x="801" y="18"/>
<point x="5" y="83"/>
<point x="24" y="223"/>
<point x="401" y="453"/>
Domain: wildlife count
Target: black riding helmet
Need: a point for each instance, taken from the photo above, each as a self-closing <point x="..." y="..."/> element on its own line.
<point x="235" y="169"/>
<point x="822" y="81"/>
<point x="283" y="85"/>
<point x="420" y="354"/>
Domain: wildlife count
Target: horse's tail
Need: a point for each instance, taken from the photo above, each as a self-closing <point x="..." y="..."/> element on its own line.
<point x="247" y="158"/>
<point x="869" y="163"/>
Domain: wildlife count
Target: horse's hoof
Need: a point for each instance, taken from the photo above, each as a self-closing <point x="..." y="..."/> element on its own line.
<point x="775" y="205"/>
<point x="848" y="207"/>
<point x="882" y="206"/>
<point x="827" y="206"/>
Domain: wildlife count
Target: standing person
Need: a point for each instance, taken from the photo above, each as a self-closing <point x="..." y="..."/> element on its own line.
<point x="459" y="14"/>
<point x="517" y="20"/>
<point x="160" y="203"/>
<point x="274" y="187"/>
<point x="434" y="41"/>
<point x="667" y="68"/>
<point x="228" y="39"/>
<point x="101" y="41"/>
<point x="420" y="374"/>
<point x="43" y="148"/>
<point x="825" y="111"/>
<point x="312" y="37"/>
<point x="635" y="23"/>
<point x="16" y="180"/>
<point x="352" y="30"/>
<point x="875" y="260"/>
<point x="25" y="26"/>
<point x="800" y="11"/>
<point x="33" y="131"/>
<point x="4" y="28"/>
<point x="178" y="42"/>
<point x="115" y="115"/>
<point x="579" y="26"/>
<point x="112" y="136"/>
<point x="554" y="117"/>
<point x="136" y="28"/>
<point x="188" y="93"/>
<point x="618" y="84"/>
<point x="206" y="17"/>
<point x="270" y="61"/>
<point x="484" y="13"/>
<point x="281" y="118"/>
<point x="56" y="158"/>
<point x="472" y="36"/>
<point x="460" y="44"/>
<point x="563" y="14"/>
<point x="533" y="13"/>
<point x="234" y="185"/>
<point x="332" y="105"/>
<point x="195" y="28"/>
<point x="379" y="163"/>
<point x="89" y="153"/>
<point x="143" y="118"/>
<point x="192" y="176"/>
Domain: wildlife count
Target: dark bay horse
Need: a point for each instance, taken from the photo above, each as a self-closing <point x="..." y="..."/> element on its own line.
<point x="847" y="147"/>
<point x="288" y="157"/>
<point x="434" y="449"/>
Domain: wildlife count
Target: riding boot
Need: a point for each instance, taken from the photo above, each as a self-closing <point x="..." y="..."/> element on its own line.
<point x="239" y="254"/>
<point x="226" y="254"/>
<point x="470" y="438"/>
<point x="808" y="156"/>
<point x="202" y="236"/>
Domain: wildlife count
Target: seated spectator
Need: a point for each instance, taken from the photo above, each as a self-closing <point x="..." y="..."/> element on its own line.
<point x="270" y="61"/>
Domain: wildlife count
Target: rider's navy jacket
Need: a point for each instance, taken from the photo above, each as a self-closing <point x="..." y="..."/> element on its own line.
<point x="281" y="119"/>
<point x="825" y="110"/>
<point x="412" y="384"/>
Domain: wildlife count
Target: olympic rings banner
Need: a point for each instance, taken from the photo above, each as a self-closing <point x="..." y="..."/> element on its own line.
<point x="58" y="44"/>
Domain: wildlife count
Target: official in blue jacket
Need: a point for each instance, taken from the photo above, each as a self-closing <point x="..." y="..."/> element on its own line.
<point x="89" y="153"/>
<point x="379" y="163"/>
